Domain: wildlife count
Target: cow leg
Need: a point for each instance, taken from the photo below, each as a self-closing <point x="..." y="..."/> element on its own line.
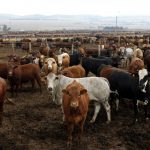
<point x="70" y="128"/>
<point x="63" y="117"/>
<point x="33" y="84"/>
<point x="117" y="104"/>
<point x="96" y="111"/>
<point x="16" y="89"/>
<point x="1" y="113"/>
<point x="38" y="80"/>
<point x="108" y="111"/>
<point x="135" y="103"/>
<point x="145" y="110"/>
<point x="12" y="91"/>
<point x="80" y="132"/>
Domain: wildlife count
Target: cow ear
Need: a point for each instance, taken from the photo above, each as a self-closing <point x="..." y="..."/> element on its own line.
<point x="65" y="91"/>
<point x="56" y="78"/>
<point x="83" y="91"/>
<point x="65" y="73"/>
<point x="15" y="66"/>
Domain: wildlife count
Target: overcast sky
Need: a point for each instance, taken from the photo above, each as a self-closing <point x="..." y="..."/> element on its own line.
<point x="76" y="7"/>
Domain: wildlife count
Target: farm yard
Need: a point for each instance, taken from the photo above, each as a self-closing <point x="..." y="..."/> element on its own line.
<point x="35" y="122"/>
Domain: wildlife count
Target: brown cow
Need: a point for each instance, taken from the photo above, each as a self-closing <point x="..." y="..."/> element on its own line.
<point x="75" y="107"/>
<point x="76" y="71"/>
<point x="136" y="65"/>
<point x="18" y="74"/>
<point x="47" y="51"/>
<point x="106" y="70"/>
<point x="3" y="87"/>
<point x="3" y="70"/>
<point x="88" y="51"/>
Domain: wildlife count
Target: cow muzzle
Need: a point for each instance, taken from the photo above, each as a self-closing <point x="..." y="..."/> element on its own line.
<point x="10" y="74"/>
<point x="50" y="89"/>
<point x="74" y="104"/>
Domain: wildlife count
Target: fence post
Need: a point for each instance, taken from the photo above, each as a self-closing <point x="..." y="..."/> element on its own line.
<point x="30" y="49"/>
<point x="99" y="50"/>
<point x="13" y="47"/>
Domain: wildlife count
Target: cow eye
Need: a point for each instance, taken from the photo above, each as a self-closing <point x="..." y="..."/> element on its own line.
<point x="63" y="56"/>
<point x="53" y="62"/>
<point x="45" y="62"/>
<point x="68" y="93"/>
<point x="56" y="78"/>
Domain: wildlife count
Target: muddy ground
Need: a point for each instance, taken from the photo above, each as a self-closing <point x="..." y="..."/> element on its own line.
<point x="35" y="123"/>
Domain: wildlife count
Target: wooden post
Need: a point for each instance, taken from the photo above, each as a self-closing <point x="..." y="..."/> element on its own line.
<point x="119" y="40"/>
<point x="147" y="40"/>
<point x="72" y="48"/>
<point x="13" y="47"/>
<point x="99" y="50"/>
<point x="30" y="49"/>
<point x="60" y="51"/>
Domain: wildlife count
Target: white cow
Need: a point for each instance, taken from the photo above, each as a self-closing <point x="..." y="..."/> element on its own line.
<point x="63" y="60"/>
<point x="50" y="65"/>
<point x="97" y="87"/>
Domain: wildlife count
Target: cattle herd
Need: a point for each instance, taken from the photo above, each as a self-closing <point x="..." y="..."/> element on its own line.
<point x="111" y="70"/>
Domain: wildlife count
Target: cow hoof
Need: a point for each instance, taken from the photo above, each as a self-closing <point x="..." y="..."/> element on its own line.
<point x="136" y="121"/>
<point x="92" y="121"/>
<point x="146" y="119"/>
<point x="69" y="144"/>
<point x="107" y="122"/>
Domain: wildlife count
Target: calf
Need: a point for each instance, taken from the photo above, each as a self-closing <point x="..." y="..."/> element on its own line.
<point x="23" y="73"/>
<point x="75" y="103"/>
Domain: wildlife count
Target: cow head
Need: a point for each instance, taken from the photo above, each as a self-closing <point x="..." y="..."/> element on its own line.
<point x="74" y="91"/>
<point x="14" y="59"/>
<point x="53" y="87"/>
<point x="42" y="59"/>
<point x="11" y="67"/>
<point x="51" y="79"/>
<point x="50" y="65"/>
<point x="63" y="60"/>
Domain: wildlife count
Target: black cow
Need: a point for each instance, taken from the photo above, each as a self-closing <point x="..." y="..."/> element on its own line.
<point x="115" y="60"/>
<point x="92" y="64"/>
<point x="129" y="87"/>
<point x="74" y="59"/>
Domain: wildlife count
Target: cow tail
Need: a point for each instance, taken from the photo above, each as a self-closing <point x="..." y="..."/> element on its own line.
<point x="114" y="92"/>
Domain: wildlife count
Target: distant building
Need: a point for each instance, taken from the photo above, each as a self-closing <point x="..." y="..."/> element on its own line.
<point x="113" y="29"/>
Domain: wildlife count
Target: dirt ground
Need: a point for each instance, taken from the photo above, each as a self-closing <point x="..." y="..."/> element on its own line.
<point x="35" y="123"/>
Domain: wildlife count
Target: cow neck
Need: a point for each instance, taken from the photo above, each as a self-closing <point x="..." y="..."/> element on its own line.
<point x="81" y="60"/>
<point x="57" y="92"/>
